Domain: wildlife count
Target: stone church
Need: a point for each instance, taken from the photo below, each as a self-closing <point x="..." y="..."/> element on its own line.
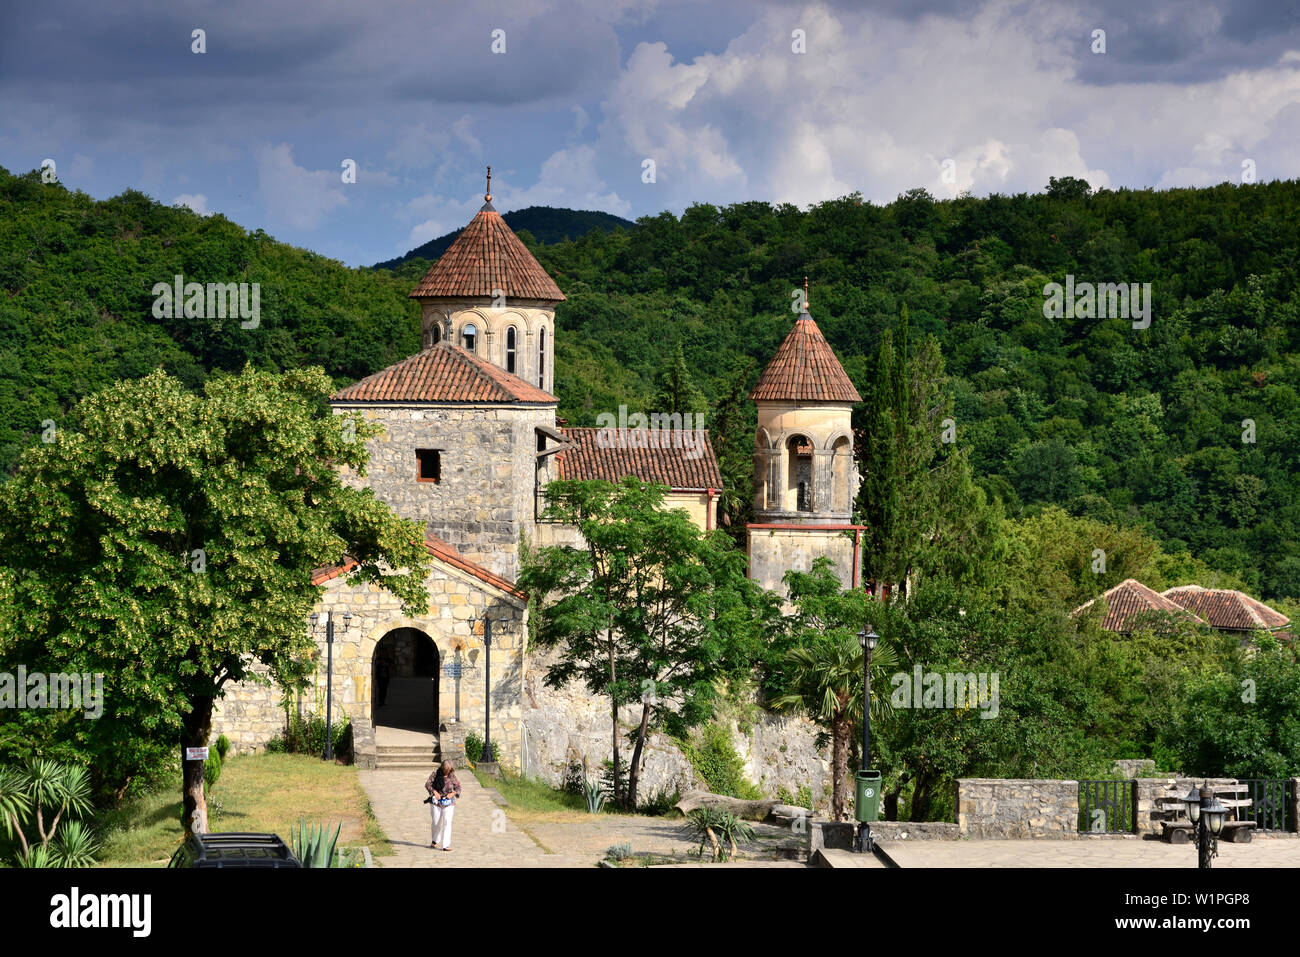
<point x="470" y="442"/>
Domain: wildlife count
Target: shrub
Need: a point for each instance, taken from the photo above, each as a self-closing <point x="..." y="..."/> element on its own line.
<point x="474" y="749"/>
<point x="211" y="770"/>
<point x="306" y="735"/>
<point x="575" y="778"/>
<point x="714" y="758"/>
<point x="619" y="852"/>
<point x="661" y="802"/>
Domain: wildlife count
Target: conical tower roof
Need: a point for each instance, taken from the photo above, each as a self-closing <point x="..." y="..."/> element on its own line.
<point x="487" y="259"/>
<point x="805" y="369"/>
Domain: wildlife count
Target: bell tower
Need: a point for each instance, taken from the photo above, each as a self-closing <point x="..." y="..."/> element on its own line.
<point x="488" y="294"/>
<point x="805" y="476"/>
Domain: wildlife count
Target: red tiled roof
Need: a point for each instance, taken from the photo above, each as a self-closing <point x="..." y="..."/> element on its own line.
<point x="440" y="550"/>
<point x="653" y="455"/>
<point x="1227" y="609"/>
<point x="1130" y="600"/>
<point x="486" y="257"/>
<point x="804" y="368"/>
<point x="444" y="373"/>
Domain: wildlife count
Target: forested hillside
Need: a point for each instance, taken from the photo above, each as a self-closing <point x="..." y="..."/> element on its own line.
<point x="543" y="224"/>
<point x="1136" y="427"/>
<point x="1142" y="427"/>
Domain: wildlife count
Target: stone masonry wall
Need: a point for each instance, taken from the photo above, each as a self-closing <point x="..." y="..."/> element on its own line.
<point x="997" y="808"/>
<point x="485" y="498"/>
<point x="250" y="714"/>
<point x="570" y="723"/>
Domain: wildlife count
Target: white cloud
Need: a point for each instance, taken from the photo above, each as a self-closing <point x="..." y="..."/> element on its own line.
<point x="568" y="177"/>
<point x="195" y="201"/>
<point x="295" y="196"/>
<point x="877" y="105"/>
<point x="416" y="146"/>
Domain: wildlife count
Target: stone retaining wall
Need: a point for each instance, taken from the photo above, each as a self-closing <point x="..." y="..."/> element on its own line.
<point x="998" y="808"/>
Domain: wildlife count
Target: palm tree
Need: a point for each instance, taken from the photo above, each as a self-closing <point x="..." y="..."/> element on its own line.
<point x="826" y="682"/>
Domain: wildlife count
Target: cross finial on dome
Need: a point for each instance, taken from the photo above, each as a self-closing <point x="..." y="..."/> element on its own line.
<point x="487" y="195"/>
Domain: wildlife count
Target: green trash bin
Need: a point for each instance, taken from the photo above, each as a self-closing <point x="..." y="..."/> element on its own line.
<point x="866" y="805"/>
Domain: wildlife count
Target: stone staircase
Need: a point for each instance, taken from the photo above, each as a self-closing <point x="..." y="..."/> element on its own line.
<point x="407" y="756"/>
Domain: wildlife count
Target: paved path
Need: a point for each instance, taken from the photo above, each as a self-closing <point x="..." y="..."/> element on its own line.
<point x="483" y="836"/>
<point x="1099" y="852"/>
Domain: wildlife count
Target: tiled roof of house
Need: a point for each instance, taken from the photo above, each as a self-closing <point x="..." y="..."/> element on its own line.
<point x="1128" y="601"/>
<point x="488" y="259"/>
<point x="1227" y="609"/>
<point x="805" y="369"/>
<point x="676" y="458"/>
<point x="441" y="551"/>
<point x="444" y="373"/>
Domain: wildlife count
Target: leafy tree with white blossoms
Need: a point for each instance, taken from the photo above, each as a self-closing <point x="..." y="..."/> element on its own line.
<point x="167" y="540"/>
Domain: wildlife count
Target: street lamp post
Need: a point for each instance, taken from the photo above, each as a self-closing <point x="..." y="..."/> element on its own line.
<point x="867" y="638"/>
<point x="487" y="698"/>
<point x="1207" y="816"/>
<point x="329" y="674"/>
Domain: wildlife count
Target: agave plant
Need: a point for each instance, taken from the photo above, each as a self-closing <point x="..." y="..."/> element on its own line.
<point x="595" y="795"/>
<point x="314" y="847"/>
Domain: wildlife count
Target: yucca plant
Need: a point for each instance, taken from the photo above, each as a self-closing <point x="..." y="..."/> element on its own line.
<point x="731" y="828"/>
<point x="37" y="856"/>
<point x="719" y="828"/>
<point x="15" y="805"/>
<point x="595" y="795"/>
<point x="314" y="847"/>
<point x="75" y="846"/>
<point x="31" y="794"/>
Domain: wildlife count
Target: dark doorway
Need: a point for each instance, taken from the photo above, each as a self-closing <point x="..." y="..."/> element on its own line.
<point x="409" y="702"/>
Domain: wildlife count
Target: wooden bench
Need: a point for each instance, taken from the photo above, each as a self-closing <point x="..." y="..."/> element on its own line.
<point x="1234" y="832"/>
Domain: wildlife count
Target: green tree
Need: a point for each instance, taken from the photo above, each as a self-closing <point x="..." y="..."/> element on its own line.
<point x="648" y="609"/>
<point x="167" y="540"/>
<point x="1241" y="722"/>
<point x="906" y="415"/>
<point x="675" y="391"/>
<point x="826" y="664"/>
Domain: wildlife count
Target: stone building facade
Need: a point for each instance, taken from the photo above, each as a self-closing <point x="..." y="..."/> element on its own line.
<point x="484" y="499"/>
<point x="469" y="441"/>
<point x="461" y="595"/>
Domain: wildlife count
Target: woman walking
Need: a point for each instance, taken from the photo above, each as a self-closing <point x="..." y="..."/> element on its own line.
<point x="444" y="792"/>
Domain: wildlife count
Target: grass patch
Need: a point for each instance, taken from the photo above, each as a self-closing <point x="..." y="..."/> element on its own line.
<point x="259" y="792"/>
<point x="532" y="800"/>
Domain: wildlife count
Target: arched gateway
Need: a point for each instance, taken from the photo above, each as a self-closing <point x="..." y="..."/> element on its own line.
<point x="404" y="698"/>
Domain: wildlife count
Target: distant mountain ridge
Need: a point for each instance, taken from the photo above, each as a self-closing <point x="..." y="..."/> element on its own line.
<point x="547" y="224"/>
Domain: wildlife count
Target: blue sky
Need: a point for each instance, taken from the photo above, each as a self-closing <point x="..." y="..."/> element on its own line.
<point x="886" y="97"/>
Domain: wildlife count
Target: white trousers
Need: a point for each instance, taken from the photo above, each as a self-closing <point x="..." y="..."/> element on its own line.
<point x="441" y="829"/>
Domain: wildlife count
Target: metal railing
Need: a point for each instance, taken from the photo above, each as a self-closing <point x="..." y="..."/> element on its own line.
<point x="1107" y="807"/>
<point x="1271" y="803"/>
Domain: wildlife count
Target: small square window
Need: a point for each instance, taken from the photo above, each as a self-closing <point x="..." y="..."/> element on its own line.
<point x="428" y="465"/>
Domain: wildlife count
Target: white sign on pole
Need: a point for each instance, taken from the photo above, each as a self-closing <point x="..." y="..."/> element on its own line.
<point x="196" y="754"/>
